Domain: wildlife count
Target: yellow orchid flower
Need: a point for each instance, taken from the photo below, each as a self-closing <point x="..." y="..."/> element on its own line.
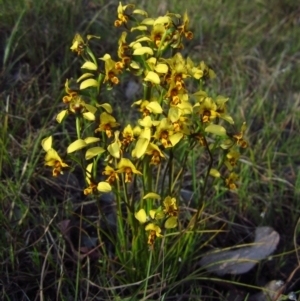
<point x="154" y="151"/>
<point x="115" y="147"/>
<point x="170" y="205"/>
<point x="111" y="173"/>
<point x="123" y="52"/>
<point x="78" y="44"/>
<point x="107" y="123"/>
<point x="231" y="159"/>
<point x="166" y="135"/>
<point x="231" y="179"/>
<point x="52" y="158"/>
<point x="128" y="135"/>
<point x="127" y="167"/>
<point x="78" y="106"/>
<point x="122" y="15"/>
<point x="88" y="176"/>
<point x="183" y="27"/>
<point x="71" y="93"/>
<point x="239" y="137"/>
<point x="155" y="231"/>
<point x="111" y="70"/>
<point x="207" y="109"/>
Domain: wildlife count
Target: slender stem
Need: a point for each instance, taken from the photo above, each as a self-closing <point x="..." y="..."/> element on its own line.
<point x="171" y="170"/>
<point x="78" y="127"/>
<point x="148" y="273"/>
<point x="78" y="257"/>
<point x="205" y="182"/>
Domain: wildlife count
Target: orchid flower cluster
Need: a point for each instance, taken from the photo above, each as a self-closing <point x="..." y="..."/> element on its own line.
<point x="170" y="118"/>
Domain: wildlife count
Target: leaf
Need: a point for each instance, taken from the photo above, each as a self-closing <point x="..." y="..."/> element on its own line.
<point x="88" y="83"/>
<point x="94" y="151"/>
<point x="244" y="259"/>
<point x="216" y="129"/>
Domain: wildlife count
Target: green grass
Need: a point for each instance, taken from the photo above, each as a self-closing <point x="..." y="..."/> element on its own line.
<point x="253" y="46"/>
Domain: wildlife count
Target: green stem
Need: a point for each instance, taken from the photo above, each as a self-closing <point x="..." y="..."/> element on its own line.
<point x="120" y="230"/>
<point x="78" y="127"/>
<point x="203" y="191"/>
<point x="148" y="274"/>
<point x="171" y="170"/>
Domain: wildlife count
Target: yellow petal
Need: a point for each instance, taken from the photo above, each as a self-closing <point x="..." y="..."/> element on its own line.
<point x="171" y="222"/>
<point x="114" y="149"/>
<point x="161" y="68"/>
<point x="83" y="76"/>
<point x="134" y="65"/>
<point x="152" y="77"/>
<point x="90" y="108"/>
<point x="148" y="21"/>
<point x="141" y="216"/>
<point x="89" y="116"/>
<point x="140" y="147"/>
<point x="141" y="28"/>
<point x="94" y="151"/>
<point x="106" y="57"/>
<point x="89" y="66"/>
<point x="76" y="145"/>
<point x="174" y="114"/>
<point x="228" y="118"/>
<point x="154" y="107"/>
<point x="214" y="173"/>
<point x="176" y="138"/>
<point x="142" y="39"/>
<point x="103" y="187"/>
<point x="152" y="195"/>
<point x="154" y="228"/>
<point x="143" y="50"/>
<point x="107" y="107"/>
<point x="89" y="36"/>
<point x="89" y="168"/>
<point x="47" y="143"/>
<point x="52" y="157"/>
<point x="60" y="116"/>
<point x="88" y="83"/>
<point x="146" y="122"/>
<point x="89" y="140"/>
<point x="216" y="129"/>
<point x="140" y="12"/>
<point x="152" y="213"/>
